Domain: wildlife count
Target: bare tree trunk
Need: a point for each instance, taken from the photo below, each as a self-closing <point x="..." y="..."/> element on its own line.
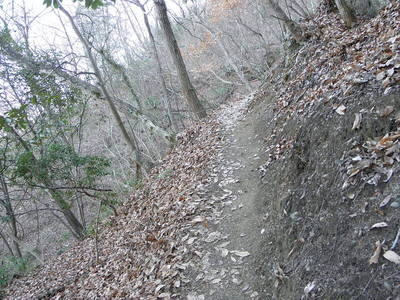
<point x="6" y="202"/>
<point x="292" y="26"/>
<point x="76" y="227"/>
<point x="6" y="243"/>
<point x="188" y="89"/>
<point x="346" y="12"/>
<point x="122" y="105"/>
<point x="114" y="111"/>
<point x="119" y="68"/>
<point x="166" y="98"/>
<point x="228" y="55"/>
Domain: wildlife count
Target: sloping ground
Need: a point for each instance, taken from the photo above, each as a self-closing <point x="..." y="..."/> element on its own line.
<point x="142" y="253"/>
<point x="332" y="148"/>
<point x="229" y="238"/>
<point x="207" y="226"/>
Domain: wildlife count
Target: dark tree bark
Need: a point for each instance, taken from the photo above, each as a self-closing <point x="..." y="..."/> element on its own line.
<point x="6" y="203"/>
<point x="131" y="142"/>
<point x="167" y="100"/>
<point x="188" y="89"/>
<point x="346" y="12"/>
<point x="75" y="226"/>
<point x="292" y="26"/>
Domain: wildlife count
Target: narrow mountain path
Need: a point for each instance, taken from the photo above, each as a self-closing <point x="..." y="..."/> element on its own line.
<point x="230" y="238"/>
<point x="192" y="231"/>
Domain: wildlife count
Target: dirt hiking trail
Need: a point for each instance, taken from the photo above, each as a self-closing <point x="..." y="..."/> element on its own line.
<point x="230" y="245"/>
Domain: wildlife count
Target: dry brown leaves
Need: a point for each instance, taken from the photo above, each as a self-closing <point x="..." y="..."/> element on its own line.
<point x="337" y="63"/>
<point x="141" y="252"/>
<point x="374" y="161"/>
<point x="334" y="65"/>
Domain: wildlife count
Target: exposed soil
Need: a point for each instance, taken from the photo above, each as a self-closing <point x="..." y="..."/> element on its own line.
<point x="265" y="199"/>
<point x="230" y="242"/>
<point x="318" y="232"/>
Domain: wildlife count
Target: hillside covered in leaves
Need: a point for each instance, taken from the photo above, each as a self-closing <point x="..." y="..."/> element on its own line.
<point x="288" y="190"/>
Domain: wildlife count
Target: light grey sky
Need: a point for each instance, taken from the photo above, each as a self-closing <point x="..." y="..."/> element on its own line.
<point x="46" y="29"/>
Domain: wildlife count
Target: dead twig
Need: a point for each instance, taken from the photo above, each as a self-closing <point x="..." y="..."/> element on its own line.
<point x="396" y="240"/>
<point x="96" y="233"/>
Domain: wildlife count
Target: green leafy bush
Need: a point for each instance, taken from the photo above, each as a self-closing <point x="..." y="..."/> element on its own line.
<point x="12" y="266"/>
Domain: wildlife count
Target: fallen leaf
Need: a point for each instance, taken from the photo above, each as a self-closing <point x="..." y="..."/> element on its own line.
<point x="357" y="121"/>
<point x="213" y="236"/>
<point x="385" y="201"/>
<point x="341" y="109"/>
<point x="381" y="75"/>
<point x="386" y="111"/>
<point x="386" y="82"/>
<point x="309" y="287"/>
<point x="387" y="141"/>
<point x="388" y="160"/>
<point x="389" y="174"/>
<point x="194" y="296"/>
<point x="164" y="295"/>
<point x="224" y="252"/>
<point x="397" y="117"/>
<point x="375" y="257"/>
<point x="158" y="288"/>
<point x="379" y="225"/>
<point x="198" y="219"/>
<point x="253" y="294"/>
<point x="392" y="256"/>
<point x="240" y="253"/>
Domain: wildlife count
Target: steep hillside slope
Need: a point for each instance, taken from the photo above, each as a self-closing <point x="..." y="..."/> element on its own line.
<point x="333" y="157"/>
<point x="273" y="197"/>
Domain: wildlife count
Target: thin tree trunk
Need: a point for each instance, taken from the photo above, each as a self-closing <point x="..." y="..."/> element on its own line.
<point x="6" y="243"/>
<point x="76" y="226"/>
<point x="228" y="56"/>
<point x="167" y="101"/>
<point x="10" y="214"/>
<point x="293" y="27"/>
<point x="114" y="111"/>
<point x="188" y="89"/>
<point x="119" y="68"/>
<point x="346" y="12"/>
<point x="123" y="105"/>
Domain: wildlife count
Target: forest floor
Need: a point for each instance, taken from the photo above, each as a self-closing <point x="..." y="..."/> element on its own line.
<point x="232" y="245"/>
<point x="215" y="234"/>
<point x="289" y="193"/>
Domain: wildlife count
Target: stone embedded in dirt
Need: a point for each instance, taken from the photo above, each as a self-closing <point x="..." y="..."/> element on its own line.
<point x="236" y="280"/>
<point x="240" y="253"/>
<point x="213" y="237"/>
<point x="309" y="287"/>
<point x="357" y="121"/>
<point x="198" y="219"/>
<point x="195" y="297"/>
<point x="379" y="225"/>
<point x="385" y="201"/>
<point x="224" y="252"/>
<point x="392" y="256"/>
<point x="216" y="281"/>
<point x="191" y="240"/>
<point x="253" y="294"/>
<point x="395" y="204"/>
<point x="341" y="109"/>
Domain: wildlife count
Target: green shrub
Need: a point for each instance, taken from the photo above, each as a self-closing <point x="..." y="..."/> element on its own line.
<point x="12" y="266"/>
